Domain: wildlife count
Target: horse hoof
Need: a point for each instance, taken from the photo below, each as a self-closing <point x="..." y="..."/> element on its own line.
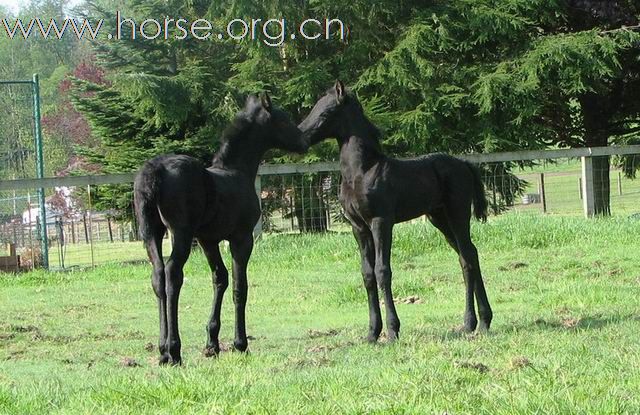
<point x="469" y="325"/>
<point x="164" y="360"/>
<point x="240" y="346"/>
<point x="371" y="339"/>
<point x="393" y="336"/>
<point x="211" y="351"/>
<point x="483" y="327"/>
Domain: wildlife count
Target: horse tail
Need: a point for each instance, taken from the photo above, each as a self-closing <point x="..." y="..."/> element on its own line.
<point x="146" y="192"/>
<point x="480" y="204"/>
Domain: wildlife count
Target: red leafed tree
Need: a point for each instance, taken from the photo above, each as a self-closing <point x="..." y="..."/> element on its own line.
<point x="66" y="129"/>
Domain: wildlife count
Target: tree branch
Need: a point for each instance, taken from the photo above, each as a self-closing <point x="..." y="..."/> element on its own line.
<point x="621" y="29"/>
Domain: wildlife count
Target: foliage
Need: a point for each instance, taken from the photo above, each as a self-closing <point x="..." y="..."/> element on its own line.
<point x="464" y="76"/>
<point x="52" y="60"/>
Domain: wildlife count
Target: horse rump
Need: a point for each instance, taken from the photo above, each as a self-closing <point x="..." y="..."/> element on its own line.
<point x="146" y="193"/>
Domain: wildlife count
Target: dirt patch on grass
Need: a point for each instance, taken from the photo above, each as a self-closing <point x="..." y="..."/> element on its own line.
<point x="513" y="266"/>
<point x="563" y="311"/>
<point x="7" y="336"/>
<point x="412" y="299"/>
<point x="23" y="329"/>
<point x="224" y="347"/>
<point x="478" y="367"/>
<point x="314" y="334"/>
<point x="149" y="347"/>
<point x="320" y="349"/>
<point x="15" y="354"/>
<point x="566" y="322"/>
<point x="570" y="322"/>
<point x="615" y="271"/>
<point x="519" y="362"/>
<point x="315" y="361"/>
<point x="129" y="362"/>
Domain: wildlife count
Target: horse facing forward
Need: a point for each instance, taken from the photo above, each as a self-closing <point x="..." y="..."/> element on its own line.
<point x="210" y="204"/>
<point x="378" y="191"/>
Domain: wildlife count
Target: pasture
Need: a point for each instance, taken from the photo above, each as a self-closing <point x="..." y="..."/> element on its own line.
<point x="564" y="338"/>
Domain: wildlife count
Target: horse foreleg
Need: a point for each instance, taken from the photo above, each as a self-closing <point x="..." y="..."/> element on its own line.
<point x="240" y="251"/>
<point x="381" y="230"/>
<point x="368" y="257"/>
<point x="220" y="277"/>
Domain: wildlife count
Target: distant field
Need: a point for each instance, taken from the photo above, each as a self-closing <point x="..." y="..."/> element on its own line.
<point x="564" y="341"/>
<point x="562" y="189"/>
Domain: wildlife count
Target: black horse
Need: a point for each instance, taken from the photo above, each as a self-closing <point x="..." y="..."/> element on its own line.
<point x="378" y="191"/>
<point x="210" y="204"/>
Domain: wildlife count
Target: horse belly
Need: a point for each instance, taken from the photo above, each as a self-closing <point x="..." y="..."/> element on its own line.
<point x="412" y="205"/>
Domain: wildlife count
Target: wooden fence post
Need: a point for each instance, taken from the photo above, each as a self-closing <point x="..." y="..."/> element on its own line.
<point x="588" y="198"/>
<point x="619" y="184"/>
<point x="580" y="187"/>
<point x="543" y="196"/>
<point x="93" y="261"/>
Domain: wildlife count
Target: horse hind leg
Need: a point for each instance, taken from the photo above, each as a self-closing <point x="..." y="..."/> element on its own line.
<point x="174" y="278"/>
<point x="153" y="246"/>
<point x="456" y="232"/>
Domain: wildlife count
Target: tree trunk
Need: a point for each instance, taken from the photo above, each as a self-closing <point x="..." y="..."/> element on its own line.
<point x="601" y="186"/>
<point x="596" y="113"/>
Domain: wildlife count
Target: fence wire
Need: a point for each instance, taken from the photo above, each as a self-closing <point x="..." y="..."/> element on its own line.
<point x="556" y="187"/>
<point x="81" y="234"/>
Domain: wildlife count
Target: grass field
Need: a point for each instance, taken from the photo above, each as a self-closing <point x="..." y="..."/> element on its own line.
<point x="565" y="338"/>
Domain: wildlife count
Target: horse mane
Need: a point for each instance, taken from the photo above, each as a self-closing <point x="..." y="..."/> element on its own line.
<point x="370" y="131"/>
<point x="231" y="134"/>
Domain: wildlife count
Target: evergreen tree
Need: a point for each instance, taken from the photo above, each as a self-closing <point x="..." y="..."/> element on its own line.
<point x="495" y="75"/>
<point x="464" y="76"/>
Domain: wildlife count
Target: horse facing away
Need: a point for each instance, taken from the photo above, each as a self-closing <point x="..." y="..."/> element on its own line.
<point x="378" y="191"/>
<point x="210" y="204"/>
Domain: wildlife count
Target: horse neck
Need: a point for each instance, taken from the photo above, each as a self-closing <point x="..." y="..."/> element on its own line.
<point x="358" y="154"/>
<point x="233" y="157"/>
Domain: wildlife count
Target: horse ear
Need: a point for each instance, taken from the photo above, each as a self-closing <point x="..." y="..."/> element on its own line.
<point x="340" y="90"/>
<point x="266" y="101"/>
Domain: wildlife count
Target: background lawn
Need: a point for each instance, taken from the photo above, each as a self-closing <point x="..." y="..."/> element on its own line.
<point x="565" y="338"/>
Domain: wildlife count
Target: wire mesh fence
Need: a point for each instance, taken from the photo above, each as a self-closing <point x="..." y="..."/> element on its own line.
<point x="556" y="186"/>
<point x="301" y="202"/>
<point x="81" y="234"/>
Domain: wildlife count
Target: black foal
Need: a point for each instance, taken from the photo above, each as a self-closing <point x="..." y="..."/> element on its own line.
<point x="211" y="204"/>
<point x="378" y="191"/>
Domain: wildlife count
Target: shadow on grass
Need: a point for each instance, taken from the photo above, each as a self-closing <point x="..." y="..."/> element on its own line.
<point x="579" y="323"/>
<point x="556" y="324"/>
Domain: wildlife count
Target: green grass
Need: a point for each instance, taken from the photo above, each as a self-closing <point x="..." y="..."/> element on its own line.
<point x="565" y="337"/>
